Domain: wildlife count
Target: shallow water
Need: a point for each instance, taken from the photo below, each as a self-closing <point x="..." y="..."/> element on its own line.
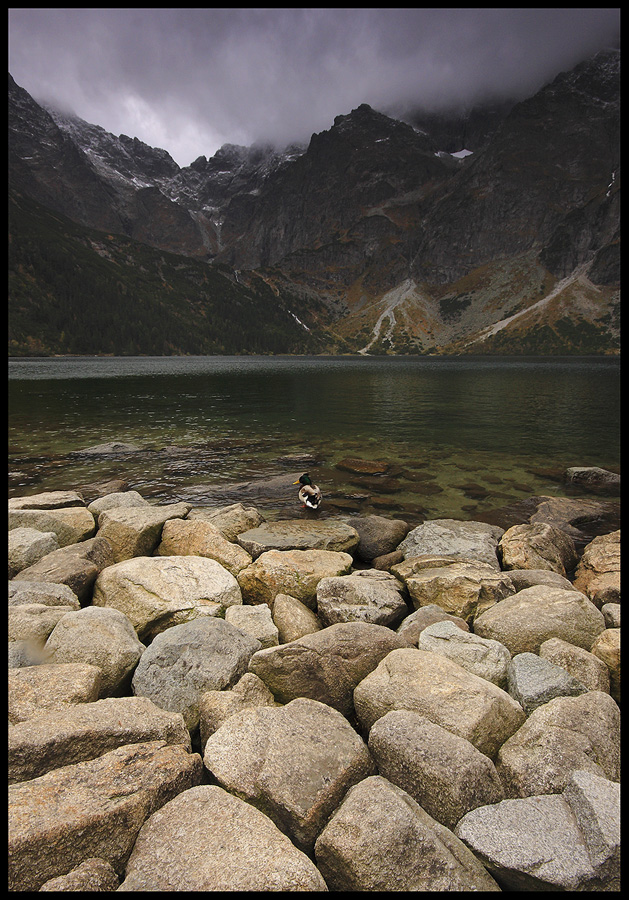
<point x="461" y="436"/>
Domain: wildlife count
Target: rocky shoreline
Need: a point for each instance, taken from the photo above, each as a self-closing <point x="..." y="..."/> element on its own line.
<point x="200" y="699"/>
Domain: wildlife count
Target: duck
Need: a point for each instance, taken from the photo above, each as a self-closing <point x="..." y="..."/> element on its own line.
<point x="309" y="494"/>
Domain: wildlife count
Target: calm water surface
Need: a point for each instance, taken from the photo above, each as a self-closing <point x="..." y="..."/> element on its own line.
<point x="461" y="436"/>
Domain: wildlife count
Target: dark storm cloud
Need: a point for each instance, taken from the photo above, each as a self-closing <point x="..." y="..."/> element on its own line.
<point x="190" y="80"/>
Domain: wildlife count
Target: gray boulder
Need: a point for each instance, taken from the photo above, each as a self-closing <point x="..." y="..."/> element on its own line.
<point x="33" y="622"/>
<point x="454" y="538"/>
<point x="294" y="763"/>
<point x="563" y="735"/>
<point x="208" y="840"/>
<point x="215" y="707"/>
<point x="444" y="773"/>
<point x="534" y="681"/>
<point x="43" y="592"/>
<point x="99" y="637"/>
<point x="256" y="621"/>
<point x="136" y="530"/>
<point x="326" y="665"/>
<point x="27" y="546"/>
<point x="380" y="839"/>
<point x="70" y="525"/>
<point x="593" y="477"/>
<point x="47" y="500"/>
<point x="194" y="537"/>
<point x="568" y="841"/>
<point x="185" y="661"/>
<point x="115" y="500"/>
<point x="230" y="520"/>
<point x="413" y="625"/>
<point x="378" y="535"/>
<point x="367" y="595"/>
<point x="299" y="534"/>
<point x="526" y="578"/>
<point x="581" y="664"/>
<point x="293" y="619"/>
<point x="92" y="808"/>
<point x="486" y="658"/>
<point x="293" y="572"/>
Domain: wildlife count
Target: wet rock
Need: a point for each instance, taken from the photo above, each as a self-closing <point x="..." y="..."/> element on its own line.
<point x="54" y="738"/>
<point x="294" y="763"/>
<point x="187" y="660"/>
<point x="92" y="808"/>
<point x="99" y="637"/>
<point x="296" y="534"/>
<point x="293" y="572"/>
<point x="156" y="593"/>
<point x="325" y="666"/>
<point x="594" y="478"/>
<point x="110" y="448"/>
<point x="557" y="739"/>
<point x="444" y="692"/>
<point x="442" y="772"/>
<point x="76" y="566"/>
<point x="454" y="538"/>
<point x="380" y="839"/>
<point x="364" y="596"/>
<point x="363" y="466"/>
<point x="194" y="537"/>
<point x="208" y="840"/>
<point x="530" y="617"/>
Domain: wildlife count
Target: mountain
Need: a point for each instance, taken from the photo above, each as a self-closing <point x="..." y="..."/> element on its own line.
<point x="492" y="230"/>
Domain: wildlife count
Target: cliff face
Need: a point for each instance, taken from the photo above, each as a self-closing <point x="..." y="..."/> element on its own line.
<point x="412" y="245"/>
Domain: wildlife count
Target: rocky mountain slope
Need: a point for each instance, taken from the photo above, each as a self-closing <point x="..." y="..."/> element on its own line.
<point x="396" y="237"/>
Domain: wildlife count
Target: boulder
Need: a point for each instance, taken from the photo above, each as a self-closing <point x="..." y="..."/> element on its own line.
<point x="327" y="665"/>
<point x="486" y="658"/>
<point x="194" y="537"/>
<point x="136" y="530"/>
<point x="413" y="625"/>
<point x="299" y="534"/>
<point x="524" y="621"/>
<point x="206" y="839"/>
<point x="598" y="572"/>
<point x="594" y="478"/>
<point x="534" y="680"/>
<point x="92" y="875"/>
<point x="185" y="661"/>
<point x="34" y="689"/>
<point x="91" y="808"/>
<point x="215" y="707"/>
<point x="33" y="622"/>
<point x="54" y="738"/>
<point x="581" y="664"/>
<point x="580" y="519"/>
<point x="368" y="595"/>
<point x="293" y="619"/>
<point x="256" y="621"/>
<point x="537" y="546"/>
<point x="44" y="592"/>
<point x="442" y="772"/>
<point x="293" y="572"/>
<point x="359" y="466"/>
<point x="47" y="500"/>
<point x="156" y="593"/>
<point x="462" y="589"/>
<point x="443" y="692"/>
<point x="568" y="841"/>
<point x="70" y="525"/>
<point x="525" y="578"/>
<point x="27" y="546"/>
<point x="116" y="500"/>
<point x="230" y="520"/>
<point x="607" y="648"/>
<point x="454" y="538"/>
<point x="563" y="735"/>
<point x="98" y="637"/>
<point x="76" y="566"/>
<point x="294" y="763"/>
<point x="380" y="839"/>
<point x="611" y="614"/>
<point x="378" y="535"/>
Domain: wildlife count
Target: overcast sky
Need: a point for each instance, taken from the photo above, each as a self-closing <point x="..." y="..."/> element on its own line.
<point x="190" y="80"/>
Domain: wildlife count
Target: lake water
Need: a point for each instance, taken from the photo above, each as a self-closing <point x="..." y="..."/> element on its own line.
<point x="461" y="436"/>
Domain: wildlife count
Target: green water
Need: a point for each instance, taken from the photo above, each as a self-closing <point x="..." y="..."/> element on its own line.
<point x="461" y="436"/>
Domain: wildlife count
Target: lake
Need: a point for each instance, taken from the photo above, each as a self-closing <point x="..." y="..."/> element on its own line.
<point x="460" y="436"/>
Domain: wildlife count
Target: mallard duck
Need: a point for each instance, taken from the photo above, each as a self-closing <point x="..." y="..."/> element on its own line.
<point x="309" y="493"/>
